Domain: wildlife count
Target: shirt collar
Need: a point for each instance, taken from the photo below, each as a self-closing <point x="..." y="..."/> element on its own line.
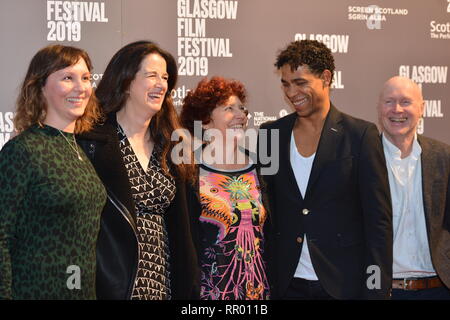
<point x="395" y="152"/>
<point x="417" y="149"/>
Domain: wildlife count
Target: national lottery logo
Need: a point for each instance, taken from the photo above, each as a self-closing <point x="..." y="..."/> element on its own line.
<point x="64" y="18"/>
<point x="259" y="118"/>
<point x="283" y="113"/>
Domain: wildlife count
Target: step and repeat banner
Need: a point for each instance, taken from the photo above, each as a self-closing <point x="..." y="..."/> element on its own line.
<point x="371" y="42"/>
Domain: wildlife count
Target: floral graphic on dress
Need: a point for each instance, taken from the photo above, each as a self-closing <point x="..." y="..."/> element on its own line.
<point x="232" y="264"/>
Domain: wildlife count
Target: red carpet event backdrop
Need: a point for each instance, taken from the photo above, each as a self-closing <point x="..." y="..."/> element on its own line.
<point x="371" y="41"/>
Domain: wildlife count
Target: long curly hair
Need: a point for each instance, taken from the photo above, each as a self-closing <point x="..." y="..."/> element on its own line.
<point x="200" y="102"/>
<point x="31" y="104"/>
<point x="112" y="94"/>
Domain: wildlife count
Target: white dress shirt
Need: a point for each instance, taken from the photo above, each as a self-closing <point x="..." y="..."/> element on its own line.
<point x="302" y="169"/>
<point x="411" y="251"/>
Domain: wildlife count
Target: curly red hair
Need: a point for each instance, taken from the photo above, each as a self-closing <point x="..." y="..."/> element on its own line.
<point x="200" y="102"/>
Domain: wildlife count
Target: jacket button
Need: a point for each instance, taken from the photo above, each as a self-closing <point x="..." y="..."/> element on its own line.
<point x="305" y="211"/>
<point x="299" y="240"/>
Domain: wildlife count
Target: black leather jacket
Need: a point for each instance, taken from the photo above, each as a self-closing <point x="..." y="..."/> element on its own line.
<point x="117" y="246"/>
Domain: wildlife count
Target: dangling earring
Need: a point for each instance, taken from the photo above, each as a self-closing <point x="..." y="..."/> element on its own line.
<point x="206" y="136"/>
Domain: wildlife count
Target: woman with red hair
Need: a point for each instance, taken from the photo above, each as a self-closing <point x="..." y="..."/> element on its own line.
<point x="227" y="207"/>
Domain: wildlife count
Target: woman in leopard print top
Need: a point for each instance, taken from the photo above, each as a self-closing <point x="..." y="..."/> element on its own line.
<point x="50" y="196"/>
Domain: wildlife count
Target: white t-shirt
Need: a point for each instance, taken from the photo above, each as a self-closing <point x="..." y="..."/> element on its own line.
<point x="302" y="169"/>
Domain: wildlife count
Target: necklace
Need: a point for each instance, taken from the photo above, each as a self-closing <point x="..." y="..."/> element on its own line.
<point x="74" y="142"/>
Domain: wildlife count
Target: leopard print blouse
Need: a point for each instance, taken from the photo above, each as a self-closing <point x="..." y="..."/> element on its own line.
<point x="50" y="206"/>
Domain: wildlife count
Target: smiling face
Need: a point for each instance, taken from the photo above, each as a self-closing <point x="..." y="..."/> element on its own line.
<point x="307" y="92"/>
<point x="67" y="92"/>
<point x="148" y="88"/>
<point x="231" y="118"/>
<point x="400" y="107"/>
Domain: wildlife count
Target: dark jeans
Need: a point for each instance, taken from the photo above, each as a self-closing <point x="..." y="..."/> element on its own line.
<point x="441" y="293"/>
<point x="301" y="289"/>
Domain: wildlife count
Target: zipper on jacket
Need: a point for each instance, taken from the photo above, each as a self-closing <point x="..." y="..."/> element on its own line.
<point x="122" y="211"/>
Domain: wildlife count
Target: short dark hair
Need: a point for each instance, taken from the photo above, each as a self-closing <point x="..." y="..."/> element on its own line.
<point x="312" y="53"/>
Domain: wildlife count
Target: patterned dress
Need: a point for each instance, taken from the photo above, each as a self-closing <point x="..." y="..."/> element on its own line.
<point x="152" y="193"/>
<point x="50" y="207"/>
<point x="231" y="225"/>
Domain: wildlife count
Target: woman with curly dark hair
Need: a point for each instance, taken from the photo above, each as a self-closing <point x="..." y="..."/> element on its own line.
<point x="145" y="249"/>
<point x="227" y="208"/>
<point x="50" y="196"/>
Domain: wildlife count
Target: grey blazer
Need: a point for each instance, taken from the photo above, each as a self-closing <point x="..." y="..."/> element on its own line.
<point x="436" y="200"/>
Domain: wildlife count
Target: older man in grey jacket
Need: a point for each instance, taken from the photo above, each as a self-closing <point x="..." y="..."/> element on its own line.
<point x="419" y="179"/>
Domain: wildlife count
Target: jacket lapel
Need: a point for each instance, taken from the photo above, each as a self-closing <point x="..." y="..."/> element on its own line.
<point x="427" y="177"/>
<point x="285" y="157"/>
<point x="326" y="151"/>
<point x="108" y="161"/>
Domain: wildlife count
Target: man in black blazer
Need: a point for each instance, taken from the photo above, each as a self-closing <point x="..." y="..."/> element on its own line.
<point x="419" y="179"/>
<point x="330" y="229"/>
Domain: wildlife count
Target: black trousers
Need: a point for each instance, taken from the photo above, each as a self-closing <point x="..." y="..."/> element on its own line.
<point x="302" y="289"/>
